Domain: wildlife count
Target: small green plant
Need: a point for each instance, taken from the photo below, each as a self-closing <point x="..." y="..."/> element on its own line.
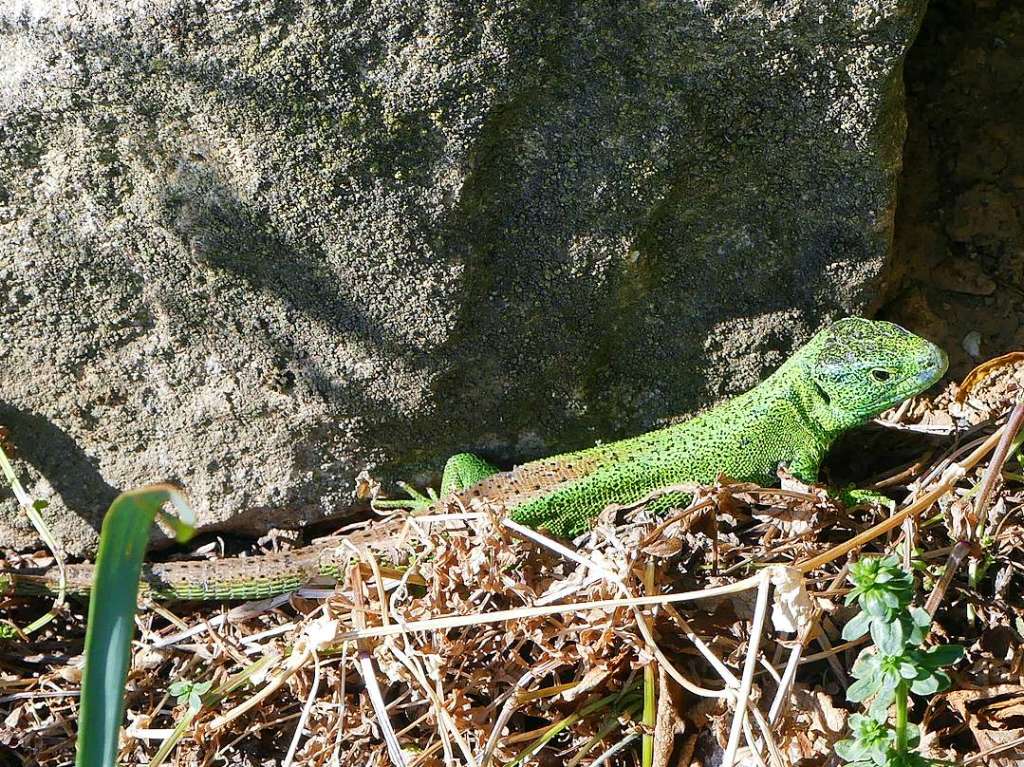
<point x="191" y="693"/>
<point x="896" y="666"/>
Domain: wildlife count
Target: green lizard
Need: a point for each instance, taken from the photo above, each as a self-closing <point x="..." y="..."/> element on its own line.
<point x="847" y="374"/>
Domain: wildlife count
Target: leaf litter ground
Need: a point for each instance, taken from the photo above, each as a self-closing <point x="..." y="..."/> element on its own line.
<point x="460" y="639"/>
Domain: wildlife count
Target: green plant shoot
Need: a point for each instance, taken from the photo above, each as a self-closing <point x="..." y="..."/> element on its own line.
<point x="894" y="667"/>
<point x="112" y="606"/>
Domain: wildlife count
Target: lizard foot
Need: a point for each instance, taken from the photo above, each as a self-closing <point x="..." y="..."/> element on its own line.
<point x="853" y="496"/>
<point x="416" y="499"/>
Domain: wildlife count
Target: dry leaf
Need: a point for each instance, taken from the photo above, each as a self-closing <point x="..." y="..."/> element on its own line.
<point x="993" y="715"/>
<point x="984" y="370"/>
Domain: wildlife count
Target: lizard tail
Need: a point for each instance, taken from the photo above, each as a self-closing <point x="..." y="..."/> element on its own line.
<point x="221" y="580"/>
<point x="44" y="582"/>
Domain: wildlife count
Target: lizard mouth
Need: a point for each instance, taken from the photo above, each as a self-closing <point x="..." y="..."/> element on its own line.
<point x="933" y="367"/>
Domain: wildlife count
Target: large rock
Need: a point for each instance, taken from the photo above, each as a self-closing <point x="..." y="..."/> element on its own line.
<point x="253" y="248"/>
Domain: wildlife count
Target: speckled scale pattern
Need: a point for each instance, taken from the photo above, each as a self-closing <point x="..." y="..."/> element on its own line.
<point x="222" y="580"/>
<point x="845" y="375"/>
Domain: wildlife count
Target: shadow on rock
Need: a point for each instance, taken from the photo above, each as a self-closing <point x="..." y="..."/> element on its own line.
<point x="58" y="458"/>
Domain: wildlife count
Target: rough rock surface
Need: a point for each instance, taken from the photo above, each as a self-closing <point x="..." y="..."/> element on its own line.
<point x="255" y="247"/>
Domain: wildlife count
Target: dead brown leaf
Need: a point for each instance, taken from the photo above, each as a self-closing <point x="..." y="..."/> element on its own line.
<point x="994" y="716"/>
<point x="984" y="370"/>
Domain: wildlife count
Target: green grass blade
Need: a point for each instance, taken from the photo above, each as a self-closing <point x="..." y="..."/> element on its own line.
<point x="112" y="605"/>
<point x="650" y="715"/>
<point x="32" y="508"/>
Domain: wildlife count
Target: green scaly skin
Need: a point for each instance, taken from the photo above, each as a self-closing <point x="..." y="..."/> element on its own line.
<point x="846" y="375"/>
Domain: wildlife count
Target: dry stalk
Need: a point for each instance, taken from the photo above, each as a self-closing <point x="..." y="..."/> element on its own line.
<point x="499" y="616"/>
<point x="995" y="467"/>
<point x="511" y="703"/>
<point x="314" y="688"/>
<point x="747" y="681"/>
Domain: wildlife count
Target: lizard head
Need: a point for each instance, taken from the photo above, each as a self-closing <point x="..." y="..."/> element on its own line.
<point x="862" y="367"/>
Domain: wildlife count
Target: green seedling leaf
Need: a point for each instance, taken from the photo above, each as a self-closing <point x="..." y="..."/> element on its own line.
<point x="916" y="623"/>
<point x="190" y="692"/>
<point x="886" y="695"/>
<point x="861" y="690"/>
<point x="857" y="627"/>
<point x="864" y="688"/>
<point x="908" y="669"/>
<point x="108" y="636"/>
<point x="888" y="636"/>
<point x="873" y="604"/>
<point x="930" y="683"/>
<point x="913" y="735"/>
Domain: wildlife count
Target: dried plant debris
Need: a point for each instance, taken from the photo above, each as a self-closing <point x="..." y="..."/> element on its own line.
<point x="464" y="640"/>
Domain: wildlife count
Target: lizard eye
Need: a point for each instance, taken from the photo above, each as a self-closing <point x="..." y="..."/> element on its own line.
<point x="881" y="375"/>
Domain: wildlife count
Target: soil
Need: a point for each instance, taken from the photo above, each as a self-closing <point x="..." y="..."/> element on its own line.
<point x="958" y="274"/>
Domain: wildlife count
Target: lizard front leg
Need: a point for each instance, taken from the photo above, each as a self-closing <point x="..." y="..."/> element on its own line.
<point x="461" y="471"/>
<point x="805" y="468"/>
